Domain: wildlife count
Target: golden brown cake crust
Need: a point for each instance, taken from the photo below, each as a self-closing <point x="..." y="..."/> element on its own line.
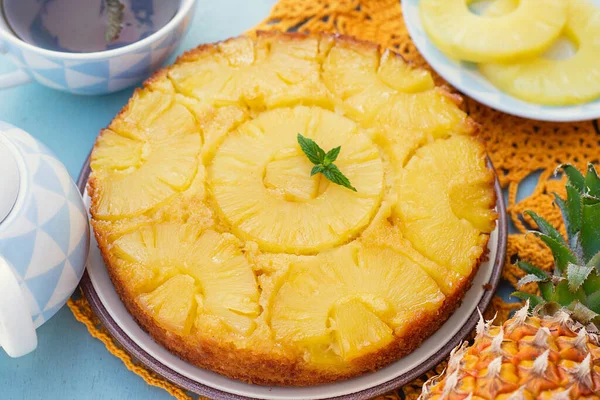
<point x="256" y="367"/>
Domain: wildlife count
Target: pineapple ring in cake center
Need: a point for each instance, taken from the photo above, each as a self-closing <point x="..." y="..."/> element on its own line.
<point x="285" y="176"/>
<point x="261" y="182"/>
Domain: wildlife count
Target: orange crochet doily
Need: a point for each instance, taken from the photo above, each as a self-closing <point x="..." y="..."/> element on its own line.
<point x="518" y="148"/>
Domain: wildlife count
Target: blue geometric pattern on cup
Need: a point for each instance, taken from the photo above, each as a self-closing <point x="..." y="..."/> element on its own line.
<point x="466" y="78"/>
<point x="46" y="241"/>
<point x="91" y="77"/>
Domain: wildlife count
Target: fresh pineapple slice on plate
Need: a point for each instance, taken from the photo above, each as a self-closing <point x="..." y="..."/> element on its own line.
<point x="527" y="30"/>
<point x="262" y="199"/>
<point x="466" y="76"/>
<point x="557" y="82"/>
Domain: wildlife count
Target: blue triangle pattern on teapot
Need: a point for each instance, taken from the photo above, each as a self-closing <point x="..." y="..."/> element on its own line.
<point x="45" y="237"/>
<point x="43" y="286"/>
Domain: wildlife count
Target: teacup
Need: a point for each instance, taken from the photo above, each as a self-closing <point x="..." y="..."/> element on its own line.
<point x="44" y="238"/>
<point x="97" y="72"/>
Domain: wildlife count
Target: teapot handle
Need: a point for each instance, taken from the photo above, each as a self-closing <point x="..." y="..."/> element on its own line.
<point x="17" y="332"/>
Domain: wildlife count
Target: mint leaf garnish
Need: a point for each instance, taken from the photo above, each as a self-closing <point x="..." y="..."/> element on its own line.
<point x="332" y="155"/>
<point x="324" y="161"/>
<point x="332" y="173"/>
<point x="315" y="154"/>
<point x="317" y="169"/>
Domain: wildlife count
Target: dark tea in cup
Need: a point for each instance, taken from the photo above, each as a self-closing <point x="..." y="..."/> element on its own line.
<point x="84" y="26"/>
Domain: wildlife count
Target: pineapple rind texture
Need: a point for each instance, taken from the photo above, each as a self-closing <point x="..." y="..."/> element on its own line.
<point x="223" y="246"/>
<point x="542" y="80"/>
<point x="525" y="31"/>
<point x="528" y="357"/>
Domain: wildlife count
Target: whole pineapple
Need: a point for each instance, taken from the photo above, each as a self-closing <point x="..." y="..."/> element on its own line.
<point x="552" y="352"/>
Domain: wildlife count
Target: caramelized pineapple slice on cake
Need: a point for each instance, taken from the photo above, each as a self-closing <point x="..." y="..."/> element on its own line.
<point x="384" y="90"/>
<point x="349" y="69"/>
<point x="432" y="113"/>
<point x="148" y="154"/>
<point x="433" y="207"/>
<point x="411" y="120"/>
<point x="262" y="186"/>
<point x="314" y="304"/>
<point x="221" y="276"/>
<point x="214" y="122"/>
<point x="358" y="330"/>
<point x="265" y="73"/>
<point x="216" y="127"/>
<point x="290" y="71"/>
<point x="383" y="234"/>
<point x="116" y="152"/>
<point x="171" y="303"/>
<point x="229" y="286"/>
<point x="286" y="175"/>
<point x="398" y="102"/>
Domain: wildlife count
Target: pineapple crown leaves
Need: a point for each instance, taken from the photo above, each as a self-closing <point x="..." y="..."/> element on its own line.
<point x="575" y="283"/>
<point x="324" y="161"/>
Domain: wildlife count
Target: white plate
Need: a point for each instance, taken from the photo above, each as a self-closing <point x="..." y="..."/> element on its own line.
<point x="465" y="77"/>
<point x="101" y="294"/>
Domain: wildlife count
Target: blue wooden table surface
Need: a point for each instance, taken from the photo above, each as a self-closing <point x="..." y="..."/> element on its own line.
<point x="69" y="363"/>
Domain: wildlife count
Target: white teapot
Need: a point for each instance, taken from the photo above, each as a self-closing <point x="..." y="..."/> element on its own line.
<point x="44" y="238"/>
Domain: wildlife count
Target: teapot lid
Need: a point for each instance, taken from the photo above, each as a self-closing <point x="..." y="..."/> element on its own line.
<point x="9" y="180"/>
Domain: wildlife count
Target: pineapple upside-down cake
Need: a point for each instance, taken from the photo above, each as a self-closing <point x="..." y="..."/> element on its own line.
<point x="228" y="251"/>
